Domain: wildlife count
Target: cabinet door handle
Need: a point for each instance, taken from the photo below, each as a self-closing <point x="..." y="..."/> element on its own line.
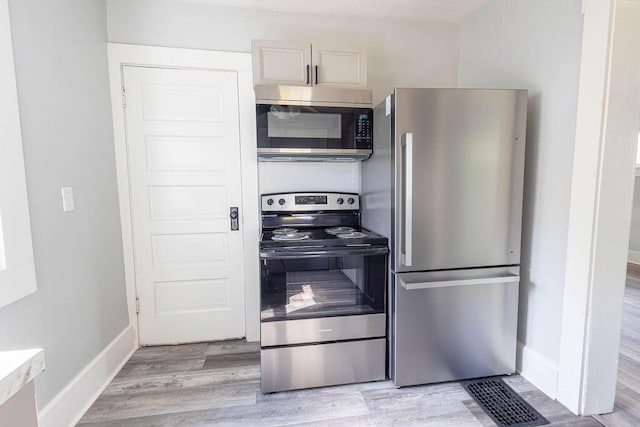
<point x="316" y="74"/>
<point x="308" y="73"/>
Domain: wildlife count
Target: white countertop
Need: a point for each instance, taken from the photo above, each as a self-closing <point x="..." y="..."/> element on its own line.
<point x="17" y="368"/>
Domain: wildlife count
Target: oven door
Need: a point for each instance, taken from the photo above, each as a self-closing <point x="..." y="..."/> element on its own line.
<point x="322" y="295"/>
<point x="289" y="132"/>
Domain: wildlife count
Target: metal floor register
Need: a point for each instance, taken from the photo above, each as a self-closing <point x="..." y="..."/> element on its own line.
<point x="502" y="404"/>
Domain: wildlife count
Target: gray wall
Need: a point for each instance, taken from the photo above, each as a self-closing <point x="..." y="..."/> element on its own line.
<point x="535" y="45"/>
<point x="634" y="239"/>
<point x="399" y="53"/>
<point x="63" y="92"/>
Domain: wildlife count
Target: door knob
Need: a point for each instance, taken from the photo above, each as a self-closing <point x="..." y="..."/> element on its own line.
<point x="233" y="215"/>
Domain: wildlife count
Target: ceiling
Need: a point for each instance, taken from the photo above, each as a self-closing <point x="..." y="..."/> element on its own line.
<point x="414" y="10"/>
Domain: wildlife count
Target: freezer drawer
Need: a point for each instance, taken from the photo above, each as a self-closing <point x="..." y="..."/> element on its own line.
<point x="290" y="368"/>
<point x="454" y="325"/>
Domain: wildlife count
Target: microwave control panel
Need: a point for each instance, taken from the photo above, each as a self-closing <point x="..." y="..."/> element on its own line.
<point x="363" y="130"/>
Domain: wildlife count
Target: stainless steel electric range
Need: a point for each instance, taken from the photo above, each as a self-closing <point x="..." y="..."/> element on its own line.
<point x="323" y="293"/>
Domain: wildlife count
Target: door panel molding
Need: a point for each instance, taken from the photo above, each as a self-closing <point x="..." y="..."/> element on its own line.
<point x="121" y="55"/>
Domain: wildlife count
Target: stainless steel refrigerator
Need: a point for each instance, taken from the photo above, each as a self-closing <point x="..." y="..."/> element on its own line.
<point x="444" y="184"/>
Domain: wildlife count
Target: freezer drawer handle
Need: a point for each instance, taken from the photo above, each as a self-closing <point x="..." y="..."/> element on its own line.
<point x="407" y="236"/>
<point x="462" y="282"/>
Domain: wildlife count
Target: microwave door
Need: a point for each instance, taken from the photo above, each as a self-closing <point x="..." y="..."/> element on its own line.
<point x="313" y="133"/>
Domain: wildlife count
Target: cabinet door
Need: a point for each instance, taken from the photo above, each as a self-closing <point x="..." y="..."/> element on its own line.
<point x="338" y="67"/>
<point x="281" y="62"/>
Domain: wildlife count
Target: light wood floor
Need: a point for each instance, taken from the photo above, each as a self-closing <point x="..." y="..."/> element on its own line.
<point x="218" y="384"/>
<point x="627" y="407"/>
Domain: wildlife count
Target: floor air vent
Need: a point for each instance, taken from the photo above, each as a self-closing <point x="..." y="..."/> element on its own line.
<point x="503" y="404"/>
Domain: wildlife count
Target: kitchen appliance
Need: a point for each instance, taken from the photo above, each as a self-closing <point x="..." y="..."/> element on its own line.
<point x="322" y="297"/>
<point x="445" y="185"/>
<point x="313" y="123"/>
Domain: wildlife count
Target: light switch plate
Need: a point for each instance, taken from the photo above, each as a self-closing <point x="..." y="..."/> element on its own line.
<point x="67" y="199"/>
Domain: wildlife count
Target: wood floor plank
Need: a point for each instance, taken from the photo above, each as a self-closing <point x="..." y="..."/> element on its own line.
<point x="311" y="393"/>
<point x="231" y="347"/>
<point x="618" y="418"/>
<point x="128" y="405"/>
<point x="276" y="413"/>
<point x="628" y="372"/>
<point x="518" y="383"/>
<point x="180" y="381"/>
<point x="231" y="360"/>
<point x="626" y="412"/>
<point x="554" y="411"/>
<point x="137" y="369"/>
<point x="455" y="415"/>
<point x="627" y="400"/>
<point x="170" y="352"/>
<point x="478" y="413"/>
<point x="208" y="384"/>
<point x="392" y="399"/>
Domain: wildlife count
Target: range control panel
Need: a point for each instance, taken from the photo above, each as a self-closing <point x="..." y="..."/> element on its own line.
<point x="306" y="202"/>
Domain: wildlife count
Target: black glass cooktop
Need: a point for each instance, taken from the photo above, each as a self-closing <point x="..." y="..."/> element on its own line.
<point x="319" y="237"/>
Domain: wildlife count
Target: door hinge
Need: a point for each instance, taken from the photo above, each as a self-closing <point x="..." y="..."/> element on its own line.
<point x="124" y="98"/>
<point x="137" y="305"/>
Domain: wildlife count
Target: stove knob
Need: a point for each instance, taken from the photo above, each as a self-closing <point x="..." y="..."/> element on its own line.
<point x="351" y="200"/>
<point x="270" y="202"/>
<point x="281" y="202"/>
<point x="340" y="200"/>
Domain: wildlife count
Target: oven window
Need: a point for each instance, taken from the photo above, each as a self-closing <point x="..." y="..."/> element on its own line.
<point x="322" y="287"/>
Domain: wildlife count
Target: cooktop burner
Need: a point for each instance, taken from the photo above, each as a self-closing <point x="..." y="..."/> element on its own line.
<point x="285" y="230"/>
<point x="339" y="230"/>
<point x="289" y="237"/>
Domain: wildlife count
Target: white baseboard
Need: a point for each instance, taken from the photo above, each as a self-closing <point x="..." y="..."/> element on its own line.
<point x="634" y="257"/>
<point x="537" y="369"/>
<point x="68" y="406"/>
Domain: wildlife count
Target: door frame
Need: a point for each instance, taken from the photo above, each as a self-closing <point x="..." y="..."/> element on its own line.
<point x="120" y="55"/>
<point x="603" y="178"/>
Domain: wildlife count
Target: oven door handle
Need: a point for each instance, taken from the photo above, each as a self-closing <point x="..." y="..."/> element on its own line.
<point x="275" y="254"/>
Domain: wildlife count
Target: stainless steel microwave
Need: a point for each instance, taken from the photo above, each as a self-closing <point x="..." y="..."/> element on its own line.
<point x="313" y="124"/>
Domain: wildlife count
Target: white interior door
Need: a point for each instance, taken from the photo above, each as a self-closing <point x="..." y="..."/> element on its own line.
<point x="184" y="171"/>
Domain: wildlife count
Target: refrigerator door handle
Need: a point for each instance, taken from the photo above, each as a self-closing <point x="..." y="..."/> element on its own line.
<point x="407" y="235"/>
<point x="460" y="282"/>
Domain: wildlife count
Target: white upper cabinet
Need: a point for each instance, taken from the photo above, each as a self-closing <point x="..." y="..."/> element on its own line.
<point x="281" y="62"/>
<point x="338" y="67"/>
<point x="303" y="64"/>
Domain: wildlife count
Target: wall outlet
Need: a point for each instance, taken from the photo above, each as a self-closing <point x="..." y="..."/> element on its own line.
<point x="67" y="199"/>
